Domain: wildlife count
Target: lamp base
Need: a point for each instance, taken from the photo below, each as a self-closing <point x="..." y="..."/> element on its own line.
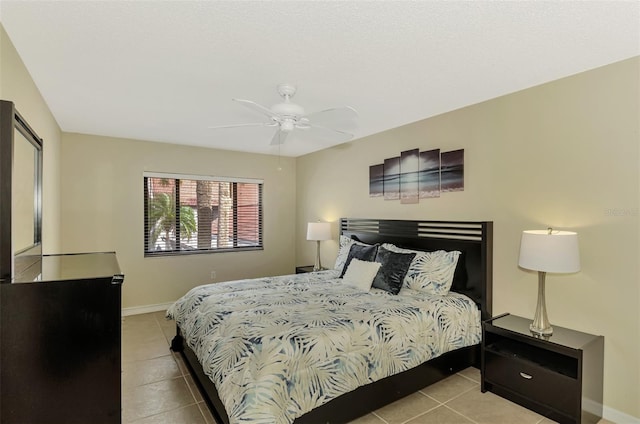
<point x="541" y="325"/>
<point x="317" y="266"/>
<point x="541" y="331"/>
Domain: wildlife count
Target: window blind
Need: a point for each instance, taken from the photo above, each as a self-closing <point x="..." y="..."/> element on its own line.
<point x="196" y="214"/>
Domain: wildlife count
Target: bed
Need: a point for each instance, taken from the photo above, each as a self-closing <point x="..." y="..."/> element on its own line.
<point x="372" y="366"/>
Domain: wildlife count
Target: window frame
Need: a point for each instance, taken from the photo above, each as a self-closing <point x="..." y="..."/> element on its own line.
<point x="198" y="251"/>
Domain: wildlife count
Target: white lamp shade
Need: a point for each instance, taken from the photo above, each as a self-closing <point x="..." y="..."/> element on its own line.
<point x="556" y="252"/>
<point x="319" y="231"/>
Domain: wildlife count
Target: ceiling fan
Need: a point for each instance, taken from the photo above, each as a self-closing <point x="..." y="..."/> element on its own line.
<point x="288" y="117"/>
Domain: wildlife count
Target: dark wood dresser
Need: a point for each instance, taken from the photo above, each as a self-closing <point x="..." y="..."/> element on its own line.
<point x="60" y="357"/>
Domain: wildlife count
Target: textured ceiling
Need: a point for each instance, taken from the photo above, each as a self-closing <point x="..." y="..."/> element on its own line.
<point x="167" y="70"/>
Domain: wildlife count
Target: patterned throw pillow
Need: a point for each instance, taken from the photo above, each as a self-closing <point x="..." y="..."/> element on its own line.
<point x="343" y="251"/>
<point x="393" y="270"/>
<point x="430" y="272"/>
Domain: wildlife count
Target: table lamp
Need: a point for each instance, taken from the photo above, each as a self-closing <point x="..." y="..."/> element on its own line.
<point x="547" y="251"/>
<point x="317" y="231"/>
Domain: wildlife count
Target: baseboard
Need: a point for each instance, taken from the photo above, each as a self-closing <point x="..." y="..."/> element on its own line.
<point x="137" y="310"/>
<point x="609" y="414"/>
<point x="618" y="417"/>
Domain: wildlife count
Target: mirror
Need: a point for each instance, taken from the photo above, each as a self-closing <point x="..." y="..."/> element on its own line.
<point x="24" y="192"/>
<point x="20" y="196"/>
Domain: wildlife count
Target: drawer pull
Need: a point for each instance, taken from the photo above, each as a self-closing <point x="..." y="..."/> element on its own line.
<point x="525" y="375"/>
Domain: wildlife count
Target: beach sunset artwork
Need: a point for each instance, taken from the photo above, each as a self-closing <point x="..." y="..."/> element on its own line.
<point x="376" y="180"/>
<point x="429" y="177"/>
<point x="392" y="178"/>
<point x="409" y="170"/>
<point x="452" y="171"/>
<point x="416" y="175"/>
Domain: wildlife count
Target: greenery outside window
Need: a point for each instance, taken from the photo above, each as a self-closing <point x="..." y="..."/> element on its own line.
<point x="186" y="214"/>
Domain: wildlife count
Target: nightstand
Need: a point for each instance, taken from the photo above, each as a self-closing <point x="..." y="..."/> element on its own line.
<point x="304" y="269"/>
<point x="559" y="376"/>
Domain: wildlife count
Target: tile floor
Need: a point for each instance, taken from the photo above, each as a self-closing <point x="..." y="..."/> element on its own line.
<point x="157" y="388"/>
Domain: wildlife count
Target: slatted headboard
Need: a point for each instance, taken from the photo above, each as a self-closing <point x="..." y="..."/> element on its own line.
<point x="474" y="239"/>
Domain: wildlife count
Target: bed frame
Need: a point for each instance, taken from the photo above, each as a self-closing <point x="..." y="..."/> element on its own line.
<point x="473" y="277"/>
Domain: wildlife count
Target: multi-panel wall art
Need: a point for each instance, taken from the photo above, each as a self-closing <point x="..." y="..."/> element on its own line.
<point x="417" y="175"/>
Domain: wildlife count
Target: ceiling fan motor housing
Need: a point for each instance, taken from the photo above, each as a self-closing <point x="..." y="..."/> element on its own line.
<point x="288" y="109"/>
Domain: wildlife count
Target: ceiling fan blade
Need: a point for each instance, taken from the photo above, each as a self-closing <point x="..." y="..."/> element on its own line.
<point x="258" y="108"/>
<point x="336" y="114"/>
<point x="279" y="137"/>
<point x="253" y="124"/>
<point x="329" y="134"/>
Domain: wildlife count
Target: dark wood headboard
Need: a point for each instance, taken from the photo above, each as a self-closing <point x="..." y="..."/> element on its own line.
<point x="474" y="239"/>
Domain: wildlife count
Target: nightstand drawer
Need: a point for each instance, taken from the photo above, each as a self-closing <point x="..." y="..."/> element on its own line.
<point x="531" y="381"/>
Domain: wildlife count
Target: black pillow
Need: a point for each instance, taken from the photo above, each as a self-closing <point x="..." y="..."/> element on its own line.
<point x="364" y="253"/>
<point x="394" y="267"/>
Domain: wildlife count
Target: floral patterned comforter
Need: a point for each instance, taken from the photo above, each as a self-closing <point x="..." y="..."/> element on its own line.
<point x="278" y="347"/>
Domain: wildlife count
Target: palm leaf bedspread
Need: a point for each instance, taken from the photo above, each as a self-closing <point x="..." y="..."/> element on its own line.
<point x="278" y="347"/>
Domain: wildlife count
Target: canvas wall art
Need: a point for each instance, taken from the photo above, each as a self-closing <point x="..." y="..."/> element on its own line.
<point x="429" y="181"/>
<point x="376" y="180"/>
<point x="417" y="175"/>
<point x="391" y="179"/>
<point x="452" y="171"/>
<point x="409" y="169"/>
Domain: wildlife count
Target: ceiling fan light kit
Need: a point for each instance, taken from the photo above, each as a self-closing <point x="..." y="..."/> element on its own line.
<point x="289" y="117"/>
<point x="287" y="125"/>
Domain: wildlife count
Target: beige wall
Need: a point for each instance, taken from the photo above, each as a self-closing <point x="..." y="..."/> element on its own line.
<point x="564" y="154"/>
<point x="102" y="210"/>
<point x="17" y="86"/>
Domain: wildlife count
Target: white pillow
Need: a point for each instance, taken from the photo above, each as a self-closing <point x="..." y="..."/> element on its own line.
<point x="430" y="272"/>
<point x="361" y="273"/>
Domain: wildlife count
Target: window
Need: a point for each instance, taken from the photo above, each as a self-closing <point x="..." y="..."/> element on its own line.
<point x="196" y="214"/>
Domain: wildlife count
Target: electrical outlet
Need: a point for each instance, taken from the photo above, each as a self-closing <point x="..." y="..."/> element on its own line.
<point x="213" y="275"/>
